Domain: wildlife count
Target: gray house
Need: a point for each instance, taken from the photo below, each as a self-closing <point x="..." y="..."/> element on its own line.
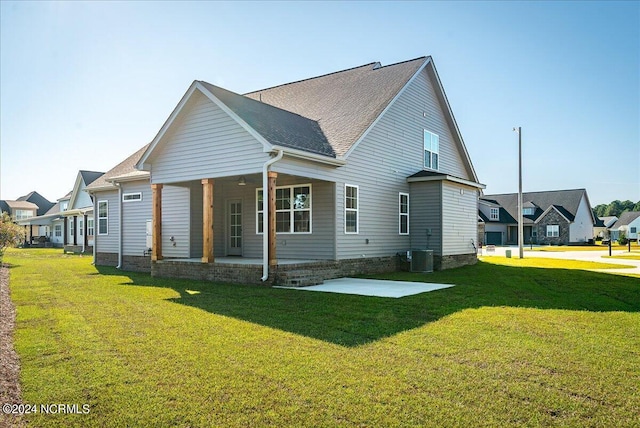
<point x="558" y="217"/>
<point x="319" y="178"/>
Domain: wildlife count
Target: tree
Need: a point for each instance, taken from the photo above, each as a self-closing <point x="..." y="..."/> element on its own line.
<point x="10" y="233"/>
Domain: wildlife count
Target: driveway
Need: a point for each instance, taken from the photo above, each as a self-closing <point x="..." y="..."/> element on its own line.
<point x="591" y="256"/>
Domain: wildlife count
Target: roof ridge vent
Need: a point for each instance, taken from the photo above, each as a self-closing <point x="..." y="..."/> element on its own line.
<point x="377" y="65"/>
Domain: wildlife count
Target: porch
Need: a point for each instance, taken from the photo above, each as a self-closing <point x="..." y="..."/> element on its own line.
<point x="287" y="272"/>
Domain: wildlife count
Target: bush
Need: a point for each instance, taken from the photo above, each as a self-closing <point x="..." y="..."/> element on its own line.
<point x="622" y="239"/>
<point x="10" y="233"/>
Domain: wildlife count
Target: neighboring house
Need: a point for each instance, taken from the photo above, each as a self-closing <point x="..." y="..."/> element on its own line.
<point x="629" y="223"/>
<point x="25" y="208"/>
<point x="123" y="193"/>
<point x="558" y="217"/>
<point x="601" y="228"/>
<point x="333" y="175"/>
<point x="76" y="211"/>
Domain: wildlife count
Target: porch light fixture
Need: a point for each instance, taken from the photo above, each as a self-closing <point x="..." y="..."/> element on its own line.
<point x="242" y="182"/>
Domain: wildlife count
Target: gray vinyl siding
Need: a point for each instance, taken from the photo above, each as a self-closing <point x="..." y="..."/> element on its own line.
<point x="108" y="243"/>
<point x="134" y="218"/>
<point x="318" y="245"/>
<point x="459" y="219"/>
<point x="392" y="151"/>
<point x="205" y="143"/>
<point x="175" y="222"/>
<point x="426" y="216"/>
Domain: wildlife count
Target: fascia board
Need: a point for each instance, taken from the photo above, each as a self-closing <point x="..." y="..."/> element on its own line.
<point x="547" y="212"/>
<point x="234" y="116"/>
<point x="301" y="154"/>
<point x="76" y="189"/>
<point x="448" y="178"/>
<point x="142" y="164"/>
<point x="449" y="113"/>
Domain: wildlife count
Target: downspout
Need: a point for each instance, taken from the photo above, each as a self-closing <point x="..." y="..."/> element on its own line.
<point x="119" y="225"/>
<point x="95" y="226"/>
<point x="265" y="215"/>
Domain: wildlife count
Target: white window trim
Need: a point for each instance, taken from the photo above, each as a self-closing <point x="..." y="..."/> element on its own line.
<point x="552" y="235"/>
<point x="400" y="213"/>
<point x="291" y="210"/>
<point x="356" y="210"/>
<point x="491" y="213"/>
<point x="106" y="218"/>
<point x="90" y="226"/>
<point x="135" y="197"/>
<point x="424" y="150"/>
<point x="80" y="227"/>
<point x="72" y="230"/>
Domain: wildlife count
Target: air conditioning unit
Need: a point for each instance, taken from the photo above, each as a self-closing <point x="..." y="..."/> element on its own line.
<point x="422" y="261"/>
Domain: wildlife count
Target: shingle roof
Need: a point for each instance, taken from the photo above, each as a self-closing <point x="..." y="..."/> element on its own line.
<point x="90" y="176"/>
<point x="127" y="166"/>
<point x="21" y="205"/>
<point x="43" y="203"/>
<point x="279" y="127"/>
<point x="626" y="218"/>
<point x="565" y="201"/>
<point x="343" y="104"/>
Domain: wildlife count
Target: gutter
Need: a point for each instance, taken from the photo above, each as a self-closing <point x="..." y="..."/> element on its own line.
<point x="119" y="225"/>
<point x="265" y="214"/>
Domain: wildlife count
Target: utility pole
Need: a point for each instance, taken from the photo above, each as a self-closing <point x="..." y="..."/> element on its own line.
<point x="520" y="219"/>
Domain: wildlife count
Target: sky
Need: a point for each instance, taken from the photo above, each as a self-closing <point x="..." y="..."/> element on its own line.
<point x="85" y="84"/>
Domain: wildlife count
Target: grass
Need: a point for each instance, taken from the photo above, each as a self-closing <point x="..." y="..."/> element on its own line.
<point x="506" y="346"/>
<point x="596" y="247"/>
<point x="551" y="263"/>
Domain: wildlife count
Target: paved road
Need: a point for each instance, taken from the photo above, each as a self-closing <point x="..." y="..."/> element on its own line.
<point x="592" y="256"/>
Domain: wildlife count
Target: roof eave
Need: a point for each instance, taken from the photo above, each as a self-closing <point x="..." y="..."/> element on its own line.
<point x="301" y="154"/>
<point x="448" y="178"/>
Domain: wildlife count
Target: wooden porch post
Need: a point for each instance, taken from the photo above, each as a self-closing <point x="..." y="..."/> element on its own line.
<point x="75" y="230"/>
<point x="156" y="215"/>
<point x="207" y="220"/>
<point x="273" y="261"/>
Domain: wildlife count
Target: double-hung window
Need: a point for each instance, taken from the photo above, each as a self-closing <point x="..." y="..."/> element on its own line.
<point x="553" y="231"/>
<point x="351" y="209"/>
<point x="80" y="227"/>
<point x="431" y="150"/>
<point x="90" y="226"/>
<point x="293" y="209"/>
<point x="57" y="230"/>
<point x="494" y="214"/>
<point x="403" y="212"/>
<point x="103" y="217"/>
<point x="71" y="230"/>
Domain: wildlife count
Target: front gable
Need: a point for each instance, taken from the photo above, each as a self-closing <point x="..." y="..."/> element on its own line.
<point x="79" y="198"/>
<point x="201" y="139"/>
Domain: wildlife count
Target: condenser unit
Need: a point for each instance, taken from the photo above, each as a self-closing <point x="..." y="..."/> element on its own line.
<point x="422" y="261"/>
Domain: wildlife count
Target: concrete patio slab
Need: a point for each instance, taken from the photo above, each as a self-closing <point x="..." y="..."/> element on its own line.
<point x="372" y="287"/>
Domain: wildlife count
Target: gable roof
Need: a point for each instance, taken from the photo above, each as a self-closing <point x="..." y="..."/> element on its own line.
<point x="85" y="177"/>
<point x="43" y="203"/>
<point x="626" y="218"/>
<point x="344" y="103"/>
<point x="279" y="127"/>
<point x="566" y="202"/>
<point x="21" y="205"/>
<point x="124" y="168"/>
<point x="326" y="115"/>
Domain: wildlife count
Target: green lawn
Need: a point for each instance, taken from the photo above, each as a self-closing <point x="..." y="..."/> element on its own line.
<point x="506" y="346"/>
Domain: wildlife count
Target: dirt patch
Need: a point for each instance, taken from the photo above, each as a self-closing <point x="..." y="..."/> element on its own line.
<point x="9" y="362"/>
